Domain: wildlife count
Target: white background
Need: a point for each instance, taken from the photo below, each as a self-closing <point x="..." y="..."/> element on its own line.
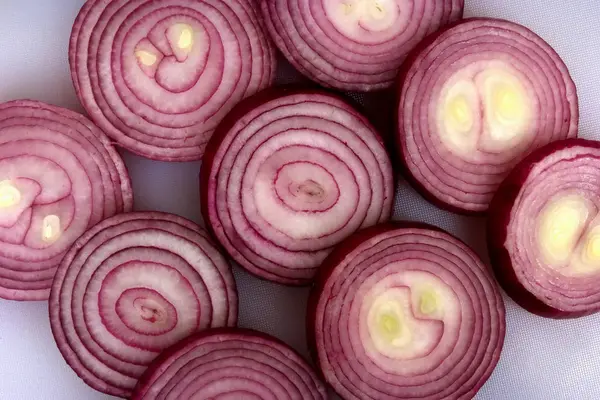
<point x="542" y="359"/>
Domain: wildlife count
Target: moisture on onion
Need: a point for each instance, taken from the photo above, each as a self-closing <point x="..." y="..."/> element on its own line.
<point x="132" y="286"/>
<point x="158" y="76"/>
<point x="59" y="175"/>
<point x="405" y="311"/>
<point x="354" y="44"/>
<point x="474" y="100"/>
<point x="544" y="230"/>
<point x="288" y="175"/>
<point x="230" y="364"/>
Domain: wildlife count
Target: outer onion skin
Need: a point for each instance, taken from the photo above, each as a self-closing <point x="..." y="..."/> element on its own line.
<point x="336" y="271"/>
<point x="211" y="343"/>
<point x="132" y="286"/>
<point x="368" y="59"/>
<point x="213" y="174"/>
<point x="501" y="209"/>
<point x="156" y="97"/>
<point x="455" y="197"/>
<point x="69" y="177"/>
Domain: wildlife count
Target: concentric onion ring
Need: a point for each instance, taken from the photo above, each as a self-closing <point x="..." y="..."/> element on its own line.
<point x="132" y="286"/>
<point x="354" y="44"/>
<point x="474" y="101"/>
<point x="544" y="230"/>
<point x="59" y="175"/>
<point x="230" y="364"/>
<point x="405" y="312"/>
<point x="158" y="76"/>
<point x="288" y="175"/>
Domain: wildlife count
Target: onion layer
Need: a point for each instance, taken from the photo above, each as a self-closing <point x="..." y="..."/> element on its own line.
<point x="403" y="312"/>
<point x="132" y="286"/>
<point x="230" y="364"/>
<point x="288" y="175"/>
<point x="158" y="76"/>
<point x="59" y="175"/>
<point x="544" y="230"/>
<point x="475" y="100"/>
<point x="354" y="44"/>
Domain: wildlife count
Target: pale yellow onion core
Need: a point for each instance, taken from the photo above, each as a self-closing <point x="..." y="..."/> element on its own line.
<point x="51" y="229"/>
<point x="9" y="194"/>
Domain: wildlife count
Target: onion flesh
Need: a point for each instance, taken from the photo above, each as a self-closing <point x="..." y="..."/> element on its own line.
<point x="59" y="175"/>
<point x="354" y="44"/>
<point x="544" y="230"/>
<point x="289" y="174"/>
<point x="132" y="286"/>
<point x="405" y="311"/>
<point x="158" y="76"/>
<point x="230" y="364"/>
<point x="475" y="99"/>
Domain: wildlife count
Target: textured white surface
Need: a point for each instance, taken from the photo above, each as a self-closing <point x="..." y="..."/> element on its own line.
<point x="542" y="359"/>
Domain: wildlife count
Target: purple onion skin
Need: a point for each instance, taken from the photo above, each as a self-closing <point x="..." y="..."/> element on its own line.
<point x="146" y="380"/>
<point x="400" y="156"/>
<point x="340" y="252"/>
<point x="497" y="232"/>
<point x="241" y="109"/>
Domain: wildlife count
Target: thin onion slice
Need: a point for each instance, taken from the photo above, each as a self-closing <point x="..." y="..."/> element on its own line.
<point x="132" y="286"/>
<point x="230" y="364"/>
<point x="405" y="311"/>
<point x="475" y="99"/>
<point x="289" y="174"/>
<point x="158" y="76"/>
<point x="354" y="44"/>
<point x="59" y="175"/>
<point x="544" y="230"/>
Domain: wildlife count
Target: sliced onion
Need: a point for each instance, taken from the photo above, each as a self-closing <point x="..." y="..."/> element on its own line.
<point x="475" y="100"/>
<point x="288" y="175"/>
<point x="132" y="286"/>
<point x="544" y="230"/>
<point x="354" y="44"/>
<point x="158" y="76"/>
<point x="405" y="312"/>
<point x="59" y="175"/>
<point x="230" y="364"/>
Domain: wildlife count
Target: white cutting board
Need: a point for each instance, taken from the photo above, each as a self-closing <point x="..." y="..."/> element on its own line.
<point x="542" y="359"/>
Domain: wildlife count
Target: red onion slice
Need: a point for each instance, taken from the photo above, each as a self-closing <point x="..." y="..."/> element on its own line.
<point x="354" y="44"/>
<point x="59" y="175"/>
<point x="229" y="364"/>
<point x="405" y="311"/>
<point x="544" y="230"/>
<point x="132" y="286"/>
<point x="475" y="100"/>
<point x="288" y="175"/>
<point x="158" y="76"/>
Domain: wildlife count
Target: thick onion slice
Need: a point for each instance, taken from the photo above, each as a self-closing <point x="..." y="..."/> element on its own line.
<point x="158" y="76"/>
<point x="288" y="175"/>
<point x="132" y="286"/>
<point x="475" y="100"/>
<point x="544" y="230"/>
<point x="405" y="311"/>
<point x="59" y="175"/>
<point x="354" y="44"/>
<point x="230" y="364"/>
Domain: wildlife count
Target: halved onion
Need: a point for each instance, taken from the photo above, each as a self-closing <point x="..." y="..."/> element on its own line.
<point x="158" y="76"/>
<point x="288" y="175"/>
<point x="132" y="286"/>
<point x="405" y="311"/>
<point x="354" y="44"/>
<point x="230" y="364"/>
<point x="59" y="175"/>
<point x="544" y="230"/>
<point x="475" y="100"/>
